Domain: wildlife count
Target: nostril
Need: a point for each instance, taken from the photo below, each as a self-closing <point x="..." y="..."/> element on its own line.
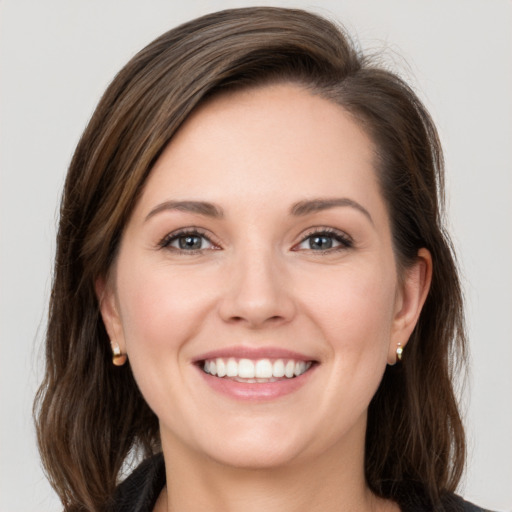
<point x="255" y="308"/>
<point x="256" y="322"/>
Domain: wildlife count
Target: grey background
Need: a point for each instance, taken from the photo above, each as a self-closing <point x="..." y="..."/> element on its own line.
<point x="57" y="57"/>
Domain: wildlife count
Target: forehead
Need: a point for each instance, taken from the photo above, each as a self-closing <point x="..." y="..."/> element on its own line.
<point x="276" y="142"/>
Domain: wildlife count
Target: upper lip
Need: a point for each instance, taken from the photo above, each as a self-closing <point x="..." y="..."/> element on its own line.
<point x="246" y="352"/>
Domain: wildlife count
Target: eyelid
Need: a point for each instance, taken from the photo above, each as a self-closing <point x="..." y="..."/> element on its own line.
<point x="165" y="242"/>
<point x="345" y="240"/>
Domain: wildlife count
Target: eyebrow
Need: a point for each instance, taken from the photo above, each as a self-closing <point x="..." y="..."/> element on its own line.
<point x="317" y="205"/>
<point x="199" y="207"/>
<point x="299" y="209"/>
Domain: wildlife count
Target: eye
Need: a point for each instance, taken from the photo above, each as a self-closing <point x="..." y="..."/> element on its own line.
<point x="190" y="241"/>
<point x="324" y="240"/>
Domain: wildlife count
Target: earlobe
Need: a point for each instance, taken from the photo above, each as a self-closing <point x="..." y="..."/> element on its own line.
<point x="111" y="319"/>
<point x="413" y="293"/>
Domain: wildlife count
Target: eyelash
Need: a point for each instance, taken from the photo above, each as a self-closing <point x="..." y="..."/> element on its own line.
<point x="343" y="239"/>
<point x="166" y="242"/>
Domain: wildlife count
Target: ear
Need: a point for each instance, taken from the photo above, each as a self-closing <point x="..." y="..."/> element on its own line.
<point x="410" y="299"/>
<point x="110" y="312"/>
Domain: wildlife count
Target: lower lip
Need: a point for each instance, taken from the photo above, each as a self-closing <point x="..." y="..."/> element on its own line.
<point x="257" y="391"/>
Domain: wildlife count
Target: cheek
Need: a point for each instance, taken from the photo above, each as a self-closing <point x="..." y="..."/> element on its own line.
<point x="355" y="309"/>
<point x="161" y="308"/>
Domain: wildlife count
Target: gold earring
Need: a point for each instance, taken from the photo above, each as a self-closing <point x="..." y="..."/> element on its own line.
<point x="118" y="358"/>
<point x="399" y="351"/>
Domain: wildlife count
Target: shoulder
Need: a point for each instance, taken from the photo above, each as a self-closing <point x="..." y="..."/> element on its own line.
<point x="415" y="499"/>
<point x="140" y="490"/>
<point x="466" y="506"/>
<point x="454" y="503"/>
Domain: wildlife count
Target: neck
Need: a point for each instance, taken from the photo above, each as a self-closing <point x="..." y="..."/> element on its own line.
<point x="328" y="483"/>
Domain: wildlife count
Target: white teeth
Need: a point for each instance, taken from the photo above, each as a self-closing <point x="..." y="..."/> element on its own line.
<point x="300" y="368"/>
<point x="221" y="367"/>
<point x="289" y="369"/>
<point x="261" y="370"/>
<point x="231" y="368"/>
<point x="278" y="368"/>
<point x="246" y="369"/>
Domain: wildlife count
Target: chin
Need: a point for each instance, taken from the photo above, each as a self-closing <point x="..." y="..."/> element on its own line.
<point x="254" y="457"/>
<point x="251" y="447"/>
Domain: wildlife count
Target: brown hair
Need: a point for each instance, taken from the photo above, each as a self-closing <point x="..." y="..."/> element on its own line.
<point x="90" y="415"/>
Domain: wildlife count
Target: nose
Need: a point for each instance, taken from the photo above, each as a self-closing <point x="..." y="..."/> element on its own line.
<point x="258" y="292"/>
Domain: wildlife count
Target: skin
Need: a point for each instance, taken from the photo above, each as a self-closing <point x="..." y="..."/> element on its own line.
<point x="258" y="282"/>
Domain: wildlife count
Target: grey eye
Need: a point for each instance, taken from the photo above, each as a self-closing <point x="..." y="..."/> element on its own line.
<point x="320" y="242"/>
<point x="190" y="242"/>
<point x="323" y="241"/>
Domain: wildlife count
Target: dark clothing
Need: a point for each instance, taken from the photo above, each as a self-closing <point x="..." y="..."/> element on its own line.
<point x="139" y="492"/>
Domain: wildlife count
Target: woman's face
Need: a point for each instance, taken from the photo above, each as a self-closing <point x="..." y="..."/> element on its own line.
<point x="260" y="252"/>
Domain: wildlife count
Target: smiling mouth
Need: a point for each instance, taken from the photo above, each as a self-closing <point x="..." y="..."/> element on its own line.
<point x="255" y="371"/>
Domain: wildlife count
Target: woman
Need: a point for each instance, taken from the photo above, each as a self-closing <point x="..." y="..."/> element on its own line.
<point x="251" y="232"/>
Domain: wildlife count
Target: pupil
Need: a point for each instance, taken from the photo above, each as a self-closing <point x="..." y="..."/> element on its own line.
<point x="190" y="242"/>
<point x="321" y="242"/>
